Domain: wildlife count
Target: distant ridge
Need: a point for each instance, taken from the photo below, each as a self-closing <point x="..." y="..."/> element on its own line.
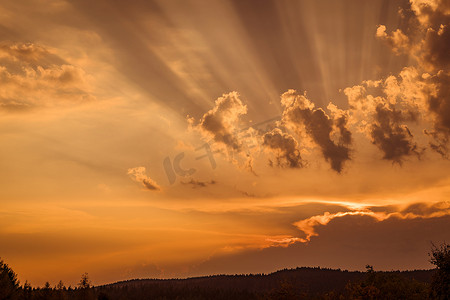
<point x="305" y="280"/>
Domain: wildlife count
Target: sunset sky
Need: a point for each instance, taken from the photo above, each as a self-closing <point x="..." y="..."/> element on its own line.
<point x="176" y="138"/>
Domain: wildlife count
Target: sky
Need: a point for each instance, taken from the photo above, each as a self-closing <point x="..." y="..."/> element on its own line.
<point x="176" y="138"/>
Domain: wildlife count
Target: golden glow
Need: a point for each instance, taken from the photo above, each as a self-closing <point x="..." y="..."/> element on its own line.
<point x="97" y="99"/>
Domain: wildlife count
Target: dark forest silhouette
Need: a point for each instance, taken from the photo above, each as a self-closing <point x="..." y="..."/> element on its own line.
<point x="299" y="283"/>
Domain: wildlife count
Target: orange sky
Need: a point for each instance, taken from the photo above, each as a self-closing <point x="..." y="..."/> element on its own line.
<point x="183" y="138"/>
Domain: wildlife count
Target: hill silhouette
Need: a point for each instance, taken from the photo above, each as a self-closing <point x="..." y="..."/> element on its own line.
<point x="299" y="283"/>
<point x="313" y="280"/>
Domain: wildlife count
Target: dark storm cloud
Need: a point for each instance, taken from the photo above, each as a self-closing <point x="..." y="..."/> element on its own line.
<point x="300" y="113"/>
<point x="285" y="148"/>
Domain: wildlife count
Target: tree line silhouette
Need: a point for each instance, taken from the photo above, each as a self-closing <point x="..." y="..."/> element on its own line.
<point x="299" y="283"/>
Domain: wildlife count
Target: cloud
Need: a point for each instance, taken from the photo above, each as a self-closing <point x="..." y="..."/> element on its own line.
<point x="433" y="17"/>
<point x="439" y="102"/>
<point x="340" y="121"/>
<point x="388" y="111"/>
<point x="197" y="183"/>
<point x="31" y="76"/>
<point x="393" y="138"/>
<point x="426" y="209"/>
<point x="397" y="39"/>
<point x="348" y="242"/>
<point x="428" y="42"/>
<point x="427" y="36"/>
<point x="439" y="106"/>
<point x="221" y="122"/>
<point x="282" y="241"/>
<point x="383" y="110"/>
<point x="285" y="148"/>
<point x="300" y="115"/>
<point x="139" y="175"/>
<point x="28" y="53"/>
<point x="414" y="211"/>
<point x="307" y="226"/>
